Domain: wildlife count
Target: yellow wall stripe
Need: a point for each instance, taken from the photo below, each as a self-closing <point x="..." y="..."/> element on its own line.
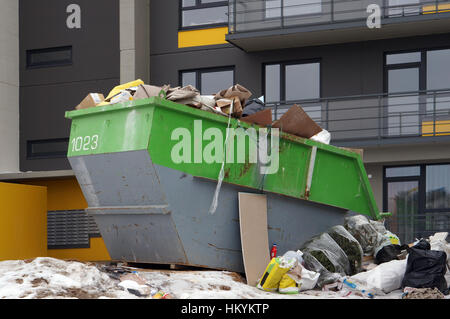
<point x="194" y="38"/>
<point x="23" y="221"/>
<point x="66" y="194"/>
<point x="439" y="128"/>
<point x="445" y="7"/>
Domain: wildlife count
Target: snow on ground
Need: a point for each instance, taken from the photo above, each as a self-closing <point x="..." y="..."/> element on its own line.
<point x="53" y="278"/>
<point x="217" y="285"/>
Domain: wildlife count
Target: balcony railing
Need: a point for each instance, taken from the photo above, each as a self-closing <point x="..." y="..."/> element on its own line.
<point x="378" y="116"/>
<point x="255" y="15"/>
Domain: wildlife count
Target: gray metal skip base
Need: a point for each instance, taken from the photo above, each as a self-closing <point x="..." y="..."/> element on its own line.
<point x="148" y="213"/>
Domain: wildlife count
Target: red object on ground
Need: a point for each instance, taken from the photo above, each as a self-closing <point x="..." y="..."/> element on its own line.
<point x="273" y="252"/>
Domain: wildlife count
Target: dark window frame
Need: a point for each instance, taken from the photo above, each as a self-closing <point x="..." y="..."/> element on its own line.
<point x="31" y="155"/>
<point x="421" y="66"/>
<point x="423" y="70"/>
<point x="198" y="74"/>
<point x="200" y="5"/>
<point x="283" y="65"/>
<point x="49" y="64"/>
<point x="421" y="179"/>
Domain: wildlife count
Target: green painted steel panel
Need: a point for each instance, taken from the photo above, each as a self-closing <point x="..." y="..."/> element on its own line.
<point x="339" y="178"/>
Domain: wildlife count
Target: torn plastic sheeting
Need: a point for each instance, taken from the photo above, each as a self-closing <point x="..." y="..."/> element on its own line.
<point x="213" y="207"/>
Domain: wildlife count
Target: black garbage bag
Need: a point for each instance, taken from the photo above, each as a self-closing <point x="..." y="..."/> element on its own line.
<point x="425" y="268"/>
<point x="389" y="252"/>
<point x="253" y="107"/>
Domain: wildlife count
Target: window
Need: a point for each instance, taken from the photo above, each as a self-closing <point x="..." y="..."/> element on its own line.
<point x="54" y="148"/>
<point x="419" y="199"/>
<point x="404" y="73"/>
<point x="403" y="7"/>
<point x="288" y="8"/>
<point x="209" y="81"/>
<point x="425" y="70"/>
<point x="292" y="81"/>
<point x="195" y="13"/>
<point x="49" y="57"/>
<point x="438" y="69"/>
<point x="286" y="83"/>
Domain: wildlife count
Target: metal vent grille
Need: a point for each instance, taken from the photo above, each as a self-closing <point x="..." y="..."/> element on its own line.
<point x="70" y="229"/>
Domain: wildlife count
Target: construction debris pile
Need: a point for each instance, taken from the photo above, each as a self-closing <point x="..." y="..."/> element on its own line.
<point x="234" y="101"/>
<point x="362" y="258"/>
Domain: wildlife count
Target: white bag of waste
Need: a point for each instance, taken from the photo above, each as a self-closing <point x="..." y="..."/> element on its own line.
<point x="386" y="277"/>
<point x="323" y="137"/>
<point x="294" y="255"/>
<point x="123" y="96"/>
<point x="309" y="279"/>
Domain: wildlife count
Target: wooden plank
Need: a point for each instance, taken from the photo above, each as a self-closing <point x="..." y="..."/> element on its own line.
<point x="254" y="236"/>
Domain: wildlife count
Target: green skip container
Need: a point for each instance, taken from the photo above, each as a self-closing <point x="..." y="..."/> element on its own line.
<point x="149" y="170"/>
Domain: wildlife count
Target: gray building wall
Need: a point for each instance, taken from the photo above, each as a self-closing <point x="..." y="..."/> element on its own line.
<point x="47" y="93"/>
<point x="9" y="86"/>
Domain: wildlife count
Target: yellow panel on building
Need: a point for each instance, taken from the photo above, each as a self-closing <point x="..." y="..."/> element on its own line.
<point x="66" y="194"/>
<point x="429" y="9"/>
<point x="201" y="37"/>
<point x="439" y="128"/>
<point x="23" y="224"/>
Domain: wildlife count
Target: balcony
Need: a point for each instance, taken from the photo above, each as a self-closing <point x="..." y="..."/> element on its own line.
<point x="380" y="119"/>
<point x="256" y="25"/>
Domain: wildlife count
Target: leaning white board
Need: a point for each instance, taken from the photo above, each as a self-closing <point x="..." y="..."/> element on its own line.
<point x="254" y="236"/>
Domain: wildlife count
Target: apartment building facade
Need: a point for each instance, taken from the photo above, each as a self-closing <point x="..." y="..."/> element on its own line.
<point x="383" y="89"/>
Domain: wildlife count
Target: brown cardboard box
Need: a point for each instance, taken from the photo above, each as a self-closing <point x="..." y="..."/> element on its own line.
<point x="225" y="105"/>
<point x="91" y="100"/>
<point x="296" y="121"/>
<point x="236" y="90"/>
<point x="146" y="91"/>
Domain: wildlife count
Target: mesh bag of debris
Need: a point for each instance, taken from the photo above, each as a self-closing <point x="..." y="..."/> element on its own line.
<point x="349" y="245"/>
<point x="325" y="277"/>
<point x="364" y="232"/>
<point x="328" y="253"/>
<point x="379" y="226"/>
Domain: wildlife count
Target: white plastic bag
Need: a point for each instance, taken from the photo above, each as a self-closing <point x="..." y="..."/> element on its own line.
<point x="123" y="96"/>
<point x="386" y="277"/>
<point x="323" y="137"/>
<point x="309" y="279"/>
<point x="294" y="255"/>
